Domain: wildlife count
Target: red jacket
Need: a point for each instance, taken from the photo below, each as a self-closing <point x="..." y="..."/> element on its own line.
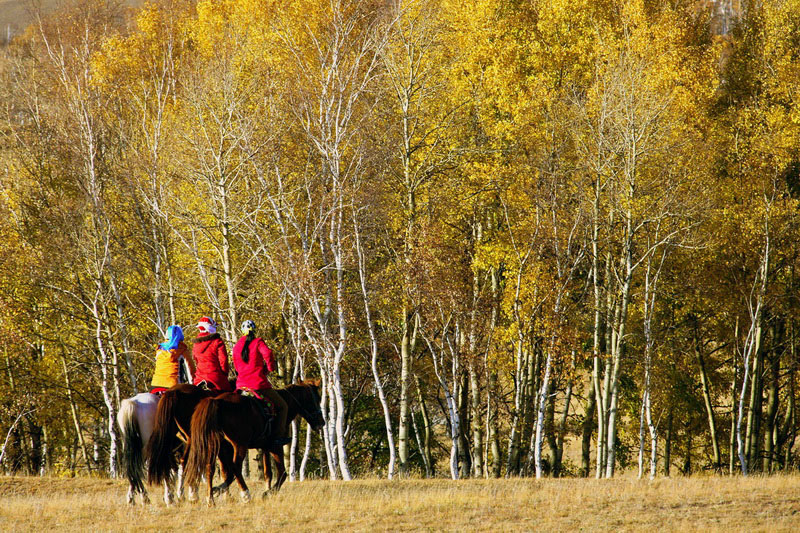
<point x="253" y="373"/>
<point x="211" y="359"/>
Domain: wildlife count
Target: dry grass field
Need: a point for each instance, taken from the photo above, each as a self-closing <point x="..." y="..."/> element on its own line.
<point x="693" y="504"/>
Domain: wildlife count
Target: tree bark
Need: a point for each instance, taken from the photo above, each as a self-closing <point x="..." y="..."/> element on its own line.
<point x="772" y="408"/>
<point x="427" y="457"/>
<point x="465" y="456"/>
<point x="405" y="369"/>
<point x="668" y="442"/>
<point x="494" y="438"/>
<point x="587" y="427"/>
<point x="704" y="381"/>
<point x="562" y="424"/>
<point x="477" y="425"/>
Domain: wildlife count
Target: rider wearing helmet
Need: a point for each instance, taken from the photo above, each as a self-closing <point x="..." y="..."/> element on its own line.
<point x="170" y="355"/>
<point x="253" y="359"/>
<point x="211" y="357"/>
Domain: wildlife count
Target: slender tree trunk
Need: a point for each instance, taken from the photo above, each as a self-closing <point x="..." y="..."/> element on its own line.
<point x="653" y="437"/>
<point x="465" y="457"/>
<point x="328" y="436"/>
<point x="530" y="408"/>
<point x="772" y="411"/>
<point x="387" y="419"/>
<point x="640" y="455"/>
<point x="544" y="396"/>
<point x="562" y="424"/>
<point x="668" y="442"/>
<point x="227" y="267"/>
<point x="111" y="408"/>
<point x="687" y="461"/>
<point x="306" y="453"/>
<point x="340" y="429"/>
<point x="754" y="413"/>
<point x="477" y="426"/>
<point x="427" y="457"/>
<point x="712" y="426"/>
<point x="619" y="336"/>
<point x="405" y="369"/>
<point x="520" y="384"/>
<point x="75" y="418"/>
<point x="753" y="343"/>
<point x="123" y="330"/>
<point x="494" y="438"/>
<point x="46" y="462"/>
<point x="732" y="443"/>
<point x="598" y="404"/>
<point x="586" y="430"/>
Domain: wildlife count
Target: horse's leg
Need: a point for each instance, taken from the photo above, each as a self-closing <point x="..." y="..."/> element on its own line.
<point x="226" y="468"/>
<point x="167" y="493"/>
<point x="131" y="495"/>
<point x="210" y="477"/>
<point x="179" y="482"/>
<point x="192" y="496"/>
<point x="145" y="497"/>
<point x="239" y="453"/>
<point x="281" y="468"/>
<point x="267" y="467"/>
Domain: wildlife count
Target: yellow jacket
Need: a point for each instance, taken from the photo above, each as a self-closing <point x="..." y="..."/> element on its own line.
<point x="167" y="366"/>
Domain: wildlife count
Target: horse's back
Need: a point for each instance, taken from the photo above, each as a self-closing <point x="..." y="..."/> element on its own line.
<point x="143" y="407"/>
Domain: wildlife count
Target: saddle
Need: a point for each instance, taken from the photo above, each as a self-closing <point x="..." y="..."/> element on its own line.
<point x="266" y="409"/>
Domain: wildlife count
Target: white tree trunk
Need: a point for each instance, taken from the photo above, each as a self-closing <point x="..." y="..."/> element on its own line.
<point x="107" y="394"/>
<point x="753" y="340"/>
<point x="542" y="405"/>
<point x="387" y="418"/>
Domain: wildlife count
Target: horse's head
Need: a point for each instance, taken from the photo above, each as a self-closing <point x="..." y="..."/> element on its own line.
<point x="313" y="414"/>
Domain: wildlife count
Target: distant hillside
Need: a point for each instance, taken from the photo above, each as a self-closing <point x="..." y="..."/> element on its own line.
<point x="16" y="15"/>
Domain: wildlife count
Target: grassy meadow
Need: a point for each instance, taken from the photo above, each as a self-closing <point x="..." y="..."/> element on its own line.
<point x="697" y="503"/>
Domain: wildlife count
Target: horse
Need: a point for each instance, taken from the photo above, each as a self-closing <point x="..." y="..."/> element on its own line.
<point x="171" y="432"/>
<point x="239" y="420"/>
<point x="135" y="419"/>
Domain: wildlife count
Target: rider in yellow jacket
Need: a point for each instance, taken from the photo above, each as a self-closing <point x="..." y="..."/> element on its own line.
<point x="170" y="354"/>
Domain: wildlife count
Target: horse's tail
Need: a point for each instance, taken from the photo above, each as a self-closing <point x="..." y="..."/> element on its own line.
<point x="205" y="440"/>
<point x="161" y="448"/>
<point x="132" y="457"/>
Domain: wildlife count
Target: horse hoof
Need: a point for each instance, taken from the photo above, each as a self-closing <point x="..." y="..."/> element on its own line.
<point x="246" y="496"/>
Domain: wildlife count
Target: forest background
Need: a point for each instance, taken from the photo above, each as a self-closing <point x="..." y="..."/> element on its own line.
<point x="512" y="238"/>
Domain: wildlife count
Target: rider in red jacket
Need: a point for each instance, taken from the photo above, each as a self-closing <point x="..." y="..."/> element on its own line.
<point x="210" y="357"/>
<point x="252" y="360"/>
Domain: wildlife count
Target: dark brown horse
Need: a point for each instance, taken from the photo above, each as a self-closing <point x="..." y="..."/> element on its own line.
<point x="171" y="435"/>
<point x="239" y="420"/>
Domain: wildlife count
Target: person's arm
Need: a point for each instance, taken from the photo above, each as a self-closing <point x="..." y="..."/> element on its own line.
<point x="269" y="358"/>
<point x="222" y="354"/>
<point x="189" y="358"/>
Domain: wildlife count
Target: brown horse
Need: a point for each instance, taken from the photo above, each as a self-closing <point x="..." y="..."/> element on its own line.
<point x="171" y="434"/>
<point x="239" y="420"/>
